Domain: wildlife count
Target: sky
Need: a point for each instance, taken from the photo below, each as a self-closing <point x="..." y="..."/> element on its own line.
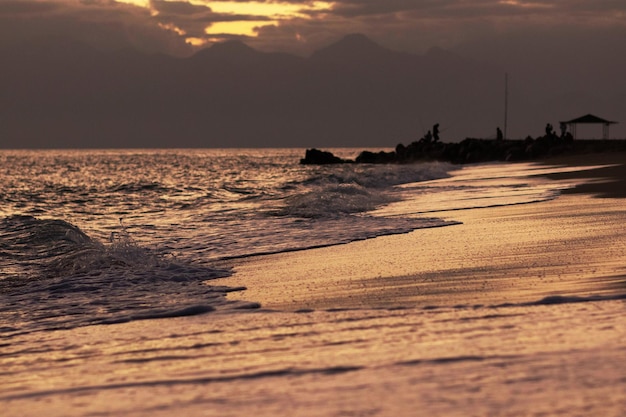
<point x="564" y="57"/>
<point x="301" y="26"/>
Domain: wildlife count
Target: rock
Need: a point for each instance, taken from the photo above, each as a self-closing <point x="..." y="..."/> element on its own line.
<point x="317" y="157"/>
<point x="367" y="157"/>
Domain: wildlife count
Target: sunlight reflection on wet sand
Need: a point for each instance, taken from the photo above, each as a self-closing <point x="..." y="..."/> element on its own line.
<point x="498" y="255"/>
<point x="508" y="361"/>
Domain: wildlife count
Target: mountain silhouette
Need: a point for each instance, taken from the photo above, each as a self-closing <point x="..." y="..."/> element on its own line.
<point x="231" y="52"/>
<point x="355" y="49"/>
<point x="59" y="93"/>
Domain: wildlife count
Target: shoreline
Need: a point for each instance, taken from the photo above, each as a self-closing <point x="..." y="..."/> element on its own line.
<point x="609" y="182"/>
<point x="498" y="255"/>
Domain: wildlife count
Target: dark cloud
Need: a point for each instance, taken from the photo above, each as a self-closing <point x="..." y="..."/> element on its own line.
<point x="102" y="23"/>
<point x="98" y="2"/>
<point x="483" y="8"/>
<point x="191" y="20"/>
<point x="179" y="8"/>
<point x="13" y="7"/>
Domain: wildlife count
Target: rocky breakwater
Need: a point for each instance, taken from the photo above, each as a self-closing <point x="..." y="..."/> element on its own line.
<point x="473" y="150"/>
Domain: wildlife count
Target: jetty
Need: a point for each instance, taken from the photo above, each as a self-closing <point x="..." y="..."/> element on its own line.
<point x="475" y="150"/>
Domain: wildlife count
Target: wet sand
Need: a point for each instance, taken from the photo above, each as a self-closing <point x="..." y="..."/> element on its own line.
<point x="610" y="182"/>
<point x="571" y="246"/>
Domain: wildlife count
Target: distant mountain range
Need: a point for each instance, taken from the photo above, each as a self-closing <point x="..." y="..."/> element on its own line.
<point x="60" y="93"/>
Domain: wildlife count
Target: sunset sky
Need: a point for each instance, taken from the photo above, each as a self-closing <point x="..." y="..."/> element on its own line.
<point x="565" y="59"/>
<point x="302" y="26"/>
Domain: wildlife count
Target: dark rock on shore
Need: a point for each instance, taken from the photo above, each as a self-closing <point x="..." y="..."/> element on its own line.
<point x="473" y="150"/>
<point x="367" y="157"/>
<point x="317" y="157"/>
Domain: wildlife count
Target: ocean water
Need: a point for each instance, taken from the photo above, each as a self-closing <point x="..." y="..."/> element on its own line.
<point x="106" y="236"/>
<point x="107" y="305"/>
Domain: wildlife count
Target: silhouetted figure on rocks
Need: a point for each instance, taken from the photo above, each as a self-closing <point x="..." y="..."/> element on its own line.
<point x="549" y="130"/>
<point x="436" y="132"/>
<point x="499" y="135"/>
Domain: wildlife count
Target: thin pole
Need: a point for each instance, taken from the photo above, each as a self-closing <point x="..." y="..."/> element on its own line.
<point x="506" y="101"/>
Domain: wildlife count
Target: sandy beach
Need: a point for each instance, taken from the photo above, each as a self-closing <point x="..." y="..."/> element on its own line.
<point x="571" y="246"/>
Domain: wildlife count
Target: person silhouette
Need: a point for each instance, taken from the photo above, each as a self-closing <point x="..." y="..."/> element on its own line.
<point x="499" y="135"/>
<point x="436" y="132"/>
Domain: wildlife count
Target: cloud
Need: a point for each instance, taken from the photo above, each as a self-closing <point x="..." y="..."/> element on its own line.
<point x="17" y="8"/>
<point x="103" y="23"/>
<point x="185" y="19"/>
<point x="485" y="8"/>
<point x="302" y="25"/>
<point x="179" y="8"/>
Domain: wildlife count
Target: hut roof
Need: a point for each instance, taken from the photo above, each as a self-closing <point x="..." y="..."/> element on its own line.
<point x="589" y="119"/>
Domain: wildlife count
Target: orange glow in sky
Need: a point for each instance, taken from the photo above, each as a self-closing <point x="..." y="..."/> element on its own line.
<point x="243" y="27"/>
<point x="266" y="13"/>
<point x="279" y="9"/>
<point x="274" y="12"/>
<point x="141" y="3"/>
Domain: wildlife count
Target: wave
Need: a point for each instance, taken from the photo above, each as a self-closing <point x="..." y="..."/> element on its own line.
<point x="56" y="276"/>
<point x="378" y="176"/>
<point x="333" y="200"/>
<point x="331" y="192"/>
<point x="139" y="187"/>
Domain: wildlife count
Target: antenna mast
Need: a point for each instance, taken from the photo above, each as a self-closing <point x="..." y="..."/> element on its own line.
<point x="506" y="101"/>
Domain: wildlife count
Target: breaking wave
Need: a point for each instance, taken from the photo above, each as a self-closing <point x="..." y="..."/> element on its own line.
<point x="332" y="192"/>
<point x="55" y="276"/>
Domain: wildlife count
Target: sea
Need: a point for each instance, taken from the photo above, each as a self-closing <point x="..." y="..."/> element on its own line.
<point x="108" y="306"/>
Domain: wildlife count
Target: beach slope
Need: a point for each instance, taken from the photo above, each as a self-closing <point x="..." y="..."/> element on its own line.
<point x="573" y="245"/>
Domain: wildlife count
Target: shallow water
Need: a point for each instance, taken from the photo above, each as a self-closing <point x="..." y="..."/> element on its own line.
<point x="546" y="359"/>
